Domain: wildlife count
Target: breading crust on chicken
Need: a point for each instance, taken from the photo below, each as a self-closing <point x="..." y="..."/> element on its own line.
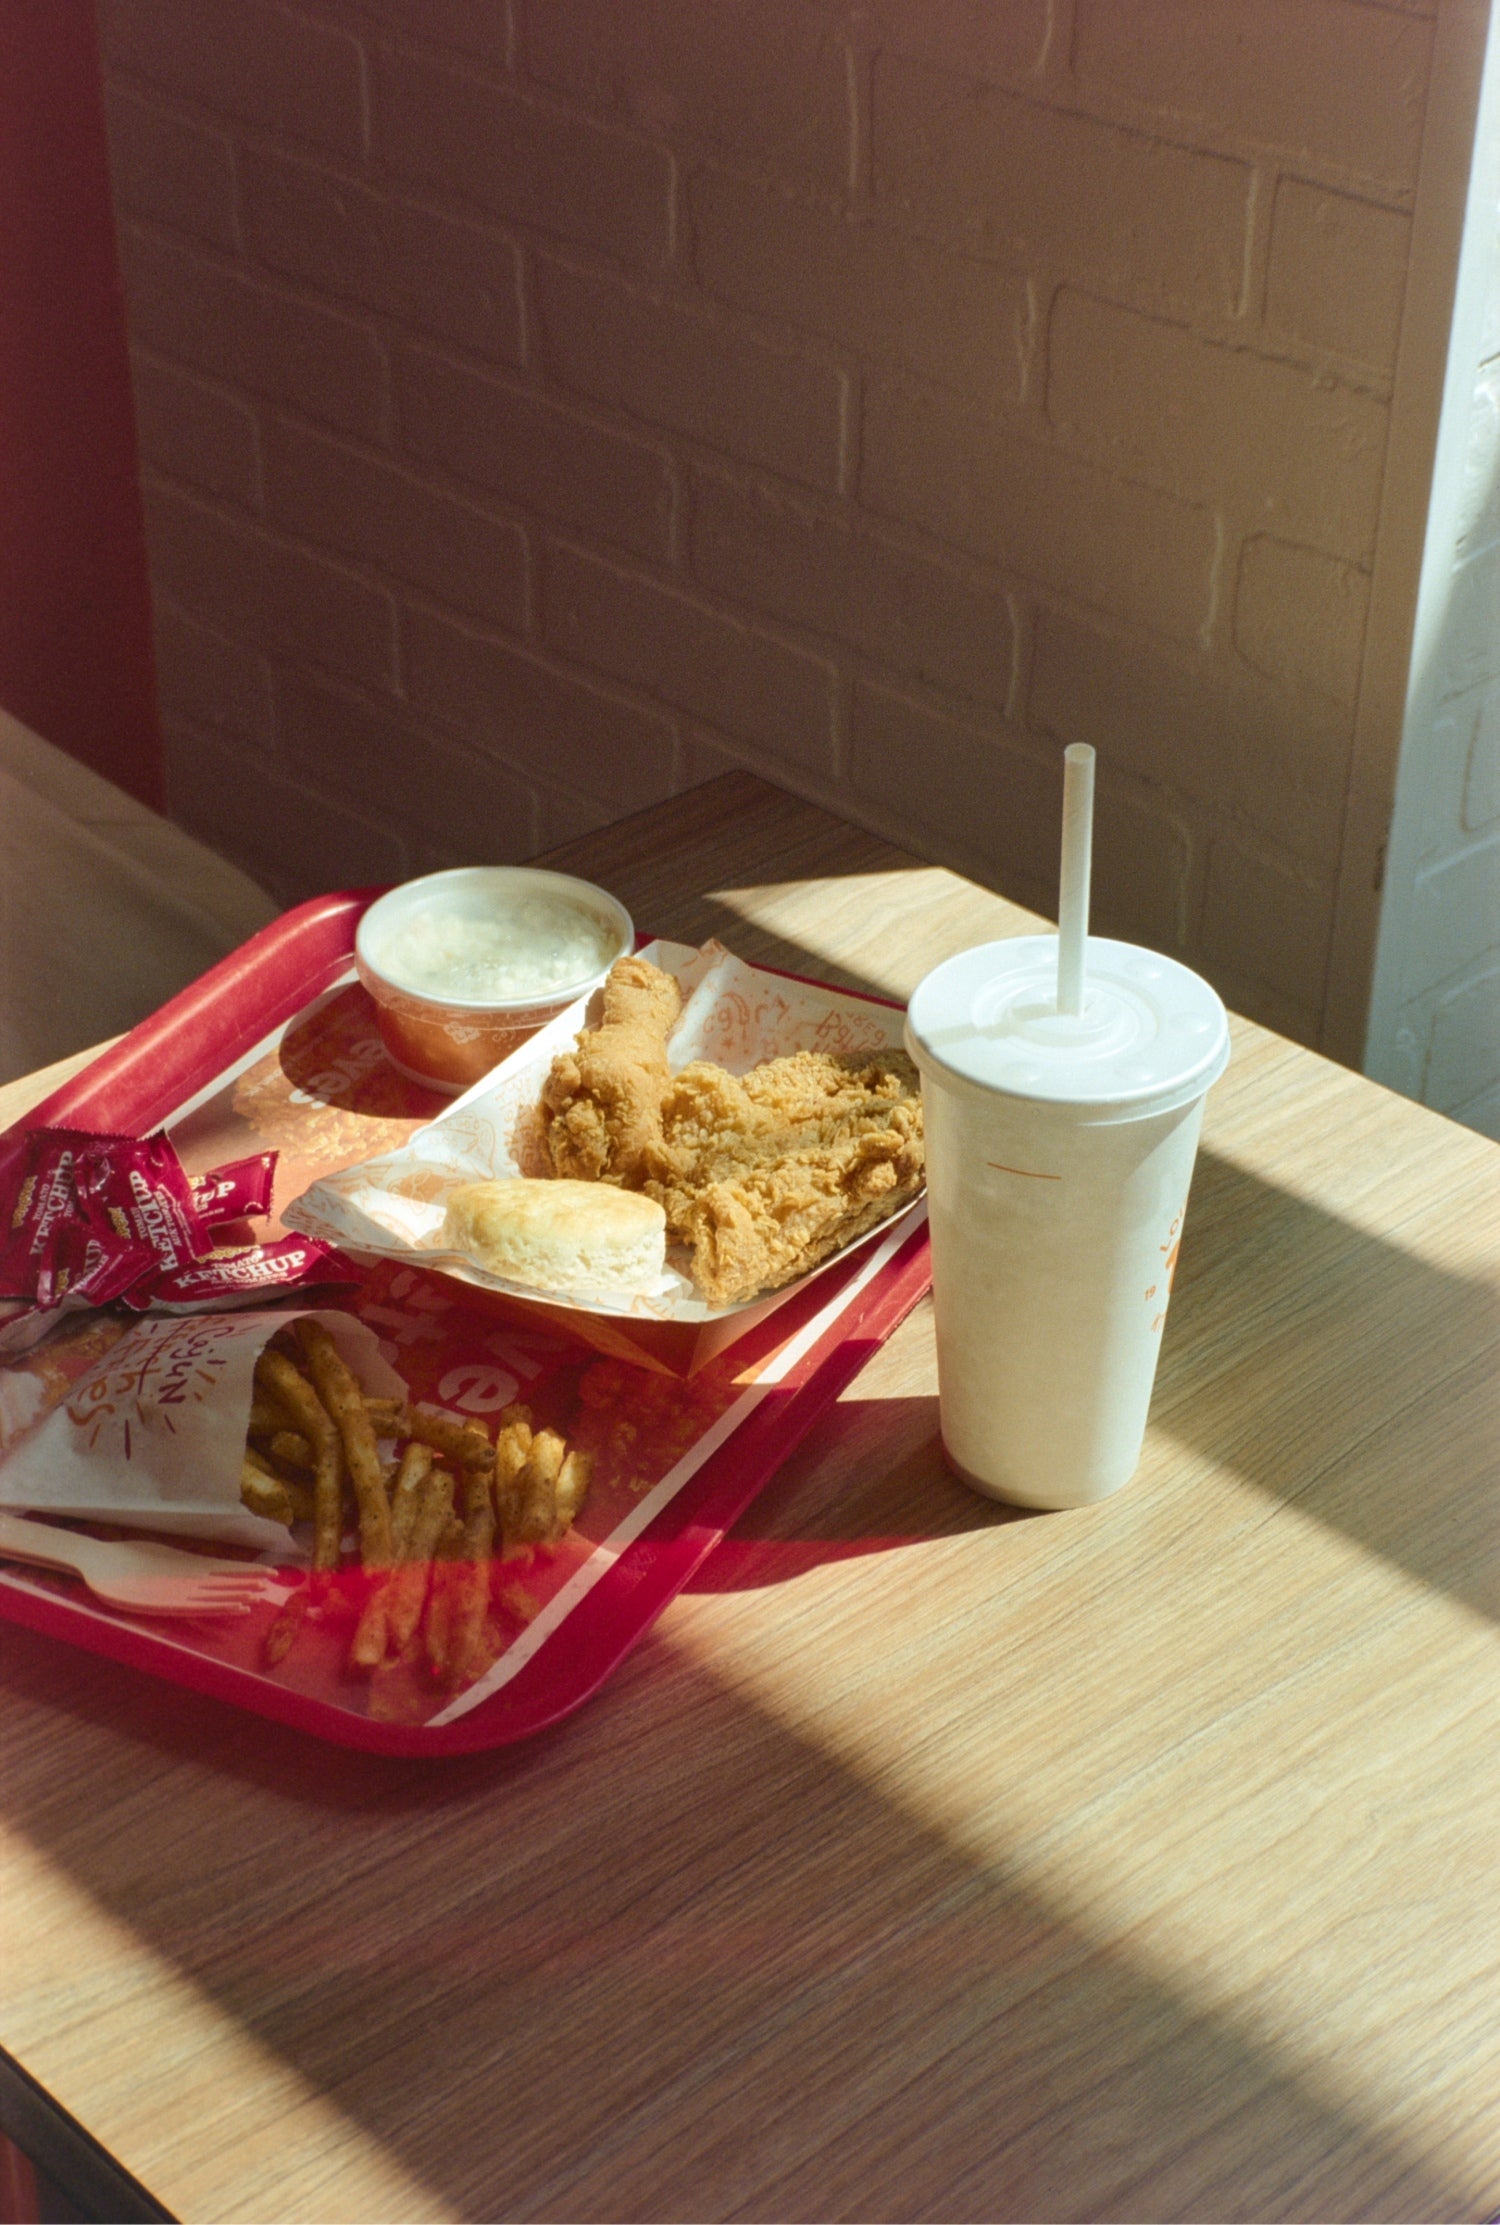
<point x="772" y="1172"/>
<point x="602" y="1100"/>
<point x="761" y="1176"/>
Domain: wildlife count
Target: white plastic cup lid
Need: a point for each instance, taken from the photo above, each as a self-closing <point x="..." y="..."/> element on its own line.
<point x="1152" y="1034"/>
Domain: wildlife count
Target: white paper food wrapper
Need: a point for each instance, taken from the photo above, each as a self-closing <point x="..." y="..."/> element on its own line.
<point x="153" y="1435"/>
<point x="393" y="1207"/>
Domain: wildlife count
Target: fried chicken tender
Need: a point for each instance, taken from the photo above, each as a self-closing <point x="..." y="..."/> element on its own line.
<point x="769" y="1173"/>
<point x="602" y="1100"/>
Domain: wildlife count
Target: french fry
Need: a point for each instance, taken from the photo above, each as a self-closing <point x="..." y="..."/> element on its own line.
<point x="344" y="1400"/>
<point x="516" y="1600"/>
<point x="428" y="1538"/>
<point x="466" y="1443"/>
<point x="406" y="1500"/>
<point x="281" y="1635"/>
<point x="282" y="1380"/>
<point x="439" y="1619"/>
<point x="442" y="1597"/>
<point x="570" y="1490"/>
<point x="535" y="1492"/>
<point x="512" y="1448"/>
<point x="408" y="1586"/>
<point x="469" y="1583"/>
<point x="373" y="1631"/>
<point x="367" y="1646"/>
<point x="265" y="1494"/>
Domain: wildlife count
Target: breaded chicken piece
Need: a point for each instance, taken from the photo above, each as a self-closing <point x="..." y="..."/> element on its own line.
<point x="770" y="1173"/>
<point x="602" y="1100"/>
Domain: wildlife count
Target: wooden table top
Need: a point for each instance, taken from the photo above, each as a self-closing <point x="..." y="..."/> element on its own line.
<point x="928" y="1859"/>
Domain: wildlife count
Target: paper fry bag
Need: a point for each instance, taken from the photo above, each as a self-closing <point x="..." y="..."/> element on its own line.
<point x="153" y="1434"/>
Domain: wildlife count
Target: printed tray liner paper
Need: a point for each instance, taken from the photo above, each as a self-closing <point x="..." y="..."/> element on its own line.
<point x="678" y="1456"/>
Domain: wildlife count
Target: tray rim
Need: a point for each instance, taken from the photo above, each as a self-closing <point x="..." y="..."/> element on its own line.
<point x="138" y="1082"/>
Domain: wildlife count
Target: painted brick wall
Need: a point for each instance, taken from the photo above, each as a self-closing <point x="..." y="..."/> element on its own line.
<point x="547" y="404"/>
<point x="1435" y="1018"/>
<point x="1447" y="1045"/>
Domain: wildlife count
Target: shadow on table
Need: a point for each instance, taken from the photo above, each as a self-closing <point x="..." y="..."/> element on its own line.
<point x="801" y="1996"/>
<point x="1380" y="1431"/>
<point x="869" y="1479"/>
<point x="1262" y="1276"/>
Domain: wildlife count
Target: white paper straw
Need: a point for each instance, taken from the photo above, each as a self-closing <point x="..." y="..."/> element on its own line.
<point x="1077" y="861"/>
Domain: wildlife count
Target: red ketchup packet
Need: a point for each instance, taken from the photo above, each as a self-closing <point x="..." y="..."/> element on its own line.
<point x="137" y="1190"/>
<point x="240" y="1191"/>
<point x="96" y="1219"/>
<point x="81" y="1268"/>
<point x="230" y="1278"/>
<point x="41" y="1205"/>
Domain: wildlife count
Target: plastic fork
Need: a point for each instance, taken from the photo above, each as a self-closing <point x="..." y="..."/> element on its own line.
<point x="138" y="1574"/>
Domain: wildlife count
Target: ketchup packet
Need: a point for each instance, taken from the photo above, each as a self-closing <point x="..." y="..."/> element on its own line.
<point x="100" y="1218"/>
<point x="229" y="1278"/>
<point x="240" y="1191"/>
<point x="136" y="1189"/>
<point x="41" y="1205"/>
<point x="82" y="1268"/>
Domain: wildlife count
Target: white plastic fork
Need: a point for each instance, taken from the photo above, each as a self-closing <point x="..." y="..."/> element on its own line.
<point x="138" y="1574"/>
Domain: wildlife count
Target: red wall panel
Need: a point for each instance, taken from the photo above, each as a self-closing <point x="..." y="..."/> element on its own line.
<point x="75" y="621"/>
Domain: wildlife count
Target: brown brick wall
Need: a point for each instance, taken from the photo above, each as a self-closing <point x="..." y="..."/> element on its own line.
<point x="545" y="403"/>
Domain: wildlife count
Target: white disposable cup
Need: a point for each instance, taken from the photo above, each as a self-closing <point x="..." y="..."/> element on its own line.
<point x="1059" y="1155"/>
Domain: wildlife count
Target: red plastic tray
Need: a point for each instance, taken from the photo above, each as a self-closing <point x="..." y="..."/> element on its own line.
<point x="169" y="1059"/>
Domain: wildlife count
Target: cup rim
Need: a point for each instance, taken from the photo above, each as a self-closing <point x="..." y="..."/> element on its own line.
<point x="556" y="997"/>
<point x="1136" y="1101"/>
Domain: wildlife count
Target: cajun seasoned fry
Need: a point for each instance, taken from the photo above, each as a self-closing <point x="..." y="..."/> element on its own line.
<point x="304" y="1504"/>
<point x="367" y="1646"/>
<point x="535" y="1492"/>
<point x="512" y="1449"/>
<point x="406" y="1499"/>
<point x="370" y="1638"/>
<point x="516" y="1600"/>
<point x="439" y="1619"/>
<point x="281" y="1636"/>
<point x="469" y="1583"/>
<point x="464" y="1442"/>
<point x="431" y="1542"/>
<point x="344" y="1400"/>
<point x="408" y="1586"/>
<point x="442" y="1597"/>
<point x="275" y="1497"/>
<point x="282" y="1380"/>
<point x="570" y="1490"/>
<point x="264" y="1494"/>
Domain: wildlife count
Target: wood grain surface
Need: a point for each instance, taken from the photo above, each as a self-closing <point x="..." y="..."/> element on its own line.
<point x="929" y="1860"/>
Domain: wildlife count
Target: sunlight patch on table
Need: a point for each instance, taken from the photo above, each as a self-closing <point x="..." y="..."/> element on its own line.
<point x="885" y="929"/>
<point x="1249" y="1804"/>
